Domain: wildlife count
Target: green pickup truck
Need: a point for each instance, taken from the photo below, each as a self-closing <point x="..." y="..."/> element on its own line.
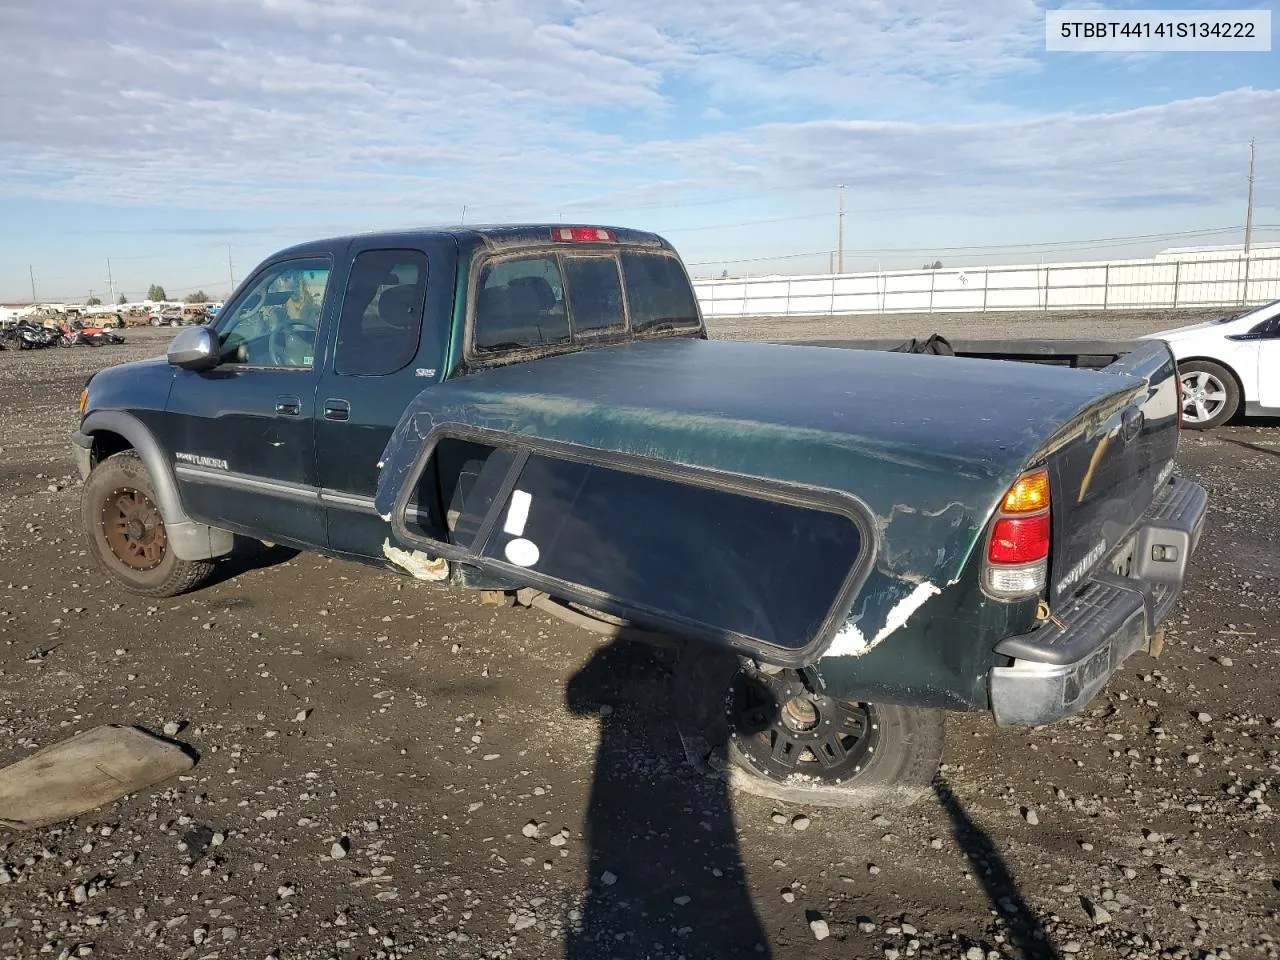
<point x="842" y="540"/>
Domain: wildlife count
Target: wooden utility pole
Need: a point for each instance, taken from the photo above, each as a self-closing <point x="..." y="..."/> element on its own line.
<point x="1248" y="220"/>
<point x="1248" y="223"/>
<point x="840" y="241"/>
<point x="31" y="272"/>
<point x="231" y="273"/>
<point x="111" y="284"/>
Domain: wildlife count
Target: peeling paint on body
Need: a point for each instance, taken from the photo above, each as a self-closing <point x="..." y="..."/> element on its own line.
<point x="415" y="562"/>
<point x="851" y="642"/>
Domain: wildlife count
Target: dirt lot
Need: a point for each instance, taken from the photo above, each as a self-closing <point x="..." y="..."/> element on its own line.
<point x="373" y="748"/>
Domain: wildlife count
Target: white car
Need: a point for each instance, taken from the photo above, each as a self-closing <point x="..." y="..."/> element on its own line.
<point x="1227" y="364"/>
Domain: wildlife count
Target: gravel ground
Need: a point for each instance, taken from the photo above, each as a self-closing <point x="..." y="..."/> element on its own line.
<point x="388" y="768"/>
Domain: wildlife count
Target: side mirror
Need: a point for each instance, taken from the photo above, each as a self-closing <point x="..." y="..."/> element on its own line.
<point x="195" y="348"/>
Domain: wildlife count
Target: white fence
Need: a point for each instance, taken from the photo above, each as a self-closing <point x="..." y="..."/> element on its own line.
<point x="1187" y="280"/>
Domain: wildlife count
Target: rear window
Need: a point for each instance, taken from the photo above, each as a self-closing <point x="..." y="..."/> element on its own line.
<point x="520" y="303"/>
<point x="658" y="293"/>
<point x="549" y="300"/>
<point x="595" y="294"/>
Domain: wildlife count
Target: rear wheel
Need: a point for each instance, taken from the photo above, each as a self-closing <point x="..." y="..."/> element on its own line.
<point x="1210" y="394"/>
<point x="126" y="533"/>
<point x="790" y="743"/>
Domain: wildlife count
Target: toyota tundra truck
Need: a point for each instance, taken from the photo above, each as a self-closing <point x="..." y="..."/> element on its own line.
<point x="844" y="541"/>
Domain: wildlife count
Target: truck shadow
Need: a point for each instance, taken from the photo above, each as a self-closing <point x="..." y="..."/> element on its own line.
<point x="249" y="554"/>
<point x="665" y="876"/>
<point x="658" y="831"/>
<point x="1026" y="933"/>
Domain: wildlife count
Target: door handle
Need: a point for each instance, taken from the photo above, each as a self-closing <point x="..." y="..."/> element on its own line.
<point x="288" y="406"/>
<point x="337" y="410"/>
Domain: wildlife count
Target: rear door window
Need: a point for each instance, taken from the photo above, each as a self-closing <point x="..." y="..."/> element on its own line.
<point x="658" y="293"/>
<point x="381" y="313"/>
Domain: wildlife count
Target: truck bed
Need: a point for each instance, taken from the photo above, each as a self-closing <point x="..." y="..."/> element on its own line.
<point x="1110" y="474"/>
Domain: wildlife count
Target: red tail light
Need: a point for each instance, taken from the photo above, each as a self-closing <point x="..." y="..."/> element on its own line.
<point x="1017" y="560"/>
<point x="1020" y="539"/>
<point x="582" y="234"/>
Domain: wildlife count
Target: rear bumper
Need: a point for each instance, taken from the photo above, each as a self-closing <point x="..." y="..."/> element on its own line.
<point x="1060" y="667"/>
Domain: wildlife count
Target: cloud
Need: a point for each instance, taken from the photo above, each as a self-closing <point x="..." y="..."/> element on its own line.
<point x="404" y="109"/>
<point x="1173" y="154"/>
<point x="396" y="101"/>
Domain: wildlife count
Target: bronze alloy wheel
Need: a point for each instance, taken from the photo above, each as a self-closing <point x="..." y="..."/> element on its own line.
<point x="121" y="519"/>
<point x="132" y="527"/>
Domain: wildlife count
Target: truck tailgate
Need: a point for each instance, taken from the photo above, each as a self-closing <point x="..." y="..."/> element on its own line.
<point x="1106" y="475"/>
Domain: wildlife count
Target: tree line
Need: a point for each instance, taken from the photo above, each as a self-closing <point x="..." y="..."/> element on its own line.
<point x="154" y="292"/>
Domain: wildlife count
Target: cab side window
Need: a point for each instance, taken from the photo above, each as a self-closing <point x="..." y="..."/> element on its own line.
<point x="382" y="311"/>
<point x="274" y="324"/>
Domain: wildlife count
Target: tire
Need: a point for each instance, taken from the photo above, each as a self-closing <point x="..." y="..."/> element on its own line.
<point x="886" y="754"/>
<point x="125" y="534"/>
<point x="1210" y="394"/>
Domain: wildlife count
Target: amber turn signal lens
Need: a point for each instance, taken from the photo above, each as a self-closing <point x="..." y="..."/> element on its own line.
<point x="1029" y="494"/>
<point x="84" y="399"/>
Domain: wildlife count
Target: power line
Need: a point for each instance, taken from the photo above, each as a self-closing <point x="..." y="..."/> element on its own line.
<point x="782" y="256"/>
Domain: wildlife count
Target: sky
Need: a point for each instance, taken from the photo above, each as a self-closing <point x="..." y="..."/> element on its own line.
<point x="185" y="141"/>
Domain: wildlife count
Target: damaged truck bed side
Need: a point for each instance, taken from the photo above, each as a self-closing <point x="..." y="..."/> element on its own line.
<point x="844" y="542"/>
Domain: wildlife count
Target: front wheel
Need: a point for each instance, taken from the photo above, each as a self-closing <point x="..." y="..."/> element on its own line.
<point x="790" y="743"/>
<point x="1210" y="394"/>
<point x="127" y="535"/>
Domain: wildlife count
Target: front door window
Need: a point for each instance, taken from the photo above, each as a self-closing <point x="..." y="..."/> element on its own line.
<point x="274" y="324"/>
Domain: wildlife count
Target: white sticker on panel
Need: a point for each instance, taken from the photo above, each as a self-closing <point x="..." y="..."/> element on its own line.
<point x="518" y="513"/>
<point x="522" y="552"/>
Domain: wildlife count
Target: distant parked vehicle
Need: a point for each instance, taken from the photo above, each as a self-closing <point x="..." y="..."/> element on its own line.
<point x="166" y="318"/>
<point x="1226" y="363"/>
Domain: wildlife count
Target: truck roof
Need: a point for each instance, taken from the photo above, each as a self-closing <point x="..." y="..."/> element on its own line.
<point x="491" y="236"/>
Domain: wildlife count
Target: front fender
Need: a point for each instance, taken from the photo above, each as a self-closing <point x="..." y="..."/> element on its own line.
<point x="190" y="539"/>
